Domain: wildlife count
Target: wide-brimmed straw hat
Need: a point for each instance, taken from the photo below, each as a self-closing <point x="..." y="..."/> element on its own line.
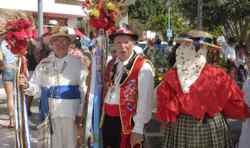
<point x="62" y="32"/>
<point x="202" y="37"/>
<point x="123" y="31"/>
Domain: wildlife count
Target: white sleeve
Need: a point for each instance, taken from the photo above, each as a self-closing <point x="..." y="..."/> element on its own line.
<point x="35" y="83"/>
<point x="145" y="98"/>
<point x="83" y="87"/>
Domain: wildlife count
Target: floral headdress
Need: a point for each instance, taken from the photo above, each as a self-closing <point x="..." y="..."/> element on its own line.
<point x="18" y="33"/>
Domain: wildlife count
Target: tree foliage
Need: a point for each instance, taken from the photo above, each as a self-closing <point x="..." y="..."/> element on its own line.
<point x="153" y="15"/>
<point x="231" y="17"/>
<point x="228" y="17"/>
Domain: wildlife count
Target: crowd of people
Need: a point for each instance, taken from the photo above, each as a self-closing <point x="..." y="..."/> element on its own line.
<point x="194" y="98"/>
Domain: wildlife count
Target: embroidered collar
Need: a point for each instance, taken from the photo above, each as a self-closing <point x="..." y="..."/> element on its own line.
<point x="189" y="65"/>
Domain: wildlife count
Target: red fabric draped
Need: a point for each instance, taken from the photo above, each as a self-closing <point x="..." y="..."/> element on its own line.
<point x="213" y="92"/>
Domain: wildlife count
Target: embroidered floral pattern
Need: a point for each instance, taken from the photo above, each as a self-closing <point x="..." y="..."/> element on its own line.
<point x="130" y="92"/>
<point x="189" y="65"/>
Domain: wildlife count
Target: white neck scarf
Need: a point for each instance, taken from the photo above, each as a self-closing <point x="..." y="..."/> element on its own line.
<point x="189" y="65"/>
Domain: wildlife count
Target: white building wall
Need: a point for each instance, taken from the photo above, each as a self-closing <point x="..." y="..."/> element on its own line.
<point x="49" y="6"/>
<point x="71" y="12"/>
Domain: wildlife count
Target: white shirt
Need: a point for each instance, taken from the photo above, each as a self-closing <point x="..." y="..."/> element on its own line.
<point x="145" y="95"/>
<point x="53" y="71"/>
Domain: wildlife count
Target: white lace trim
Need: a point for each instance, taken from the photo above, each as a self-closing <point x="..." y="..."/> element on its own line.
<point x="189" y="65"/>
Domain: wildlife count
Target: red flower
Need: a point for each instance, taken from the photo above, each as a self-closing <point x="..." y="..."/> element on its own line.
<point x="106" y="19"/>
<point x="21" y="48"/>
<point x="19" y="33"/>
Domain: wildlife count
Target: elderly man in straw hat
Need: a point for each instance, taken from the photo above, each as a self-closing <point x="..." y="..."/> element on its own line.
<point x="60" y="78"/>
<point x="195" y="98"/>
<point x="128" y="101"/>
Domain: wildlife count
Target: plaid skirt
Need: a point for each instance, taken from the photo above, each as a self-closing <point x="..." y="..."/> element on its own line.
<point x="188" y="132"/>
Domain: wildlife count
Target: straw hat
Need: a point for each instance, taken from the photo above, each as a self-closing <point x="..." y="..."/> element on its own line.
<point x="204" y="39"/>
<point x="62" y="32"/>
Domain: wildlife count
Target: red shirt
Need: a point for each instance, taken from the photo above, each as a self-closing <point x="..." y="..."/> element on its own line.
<point x="213" y="92"/>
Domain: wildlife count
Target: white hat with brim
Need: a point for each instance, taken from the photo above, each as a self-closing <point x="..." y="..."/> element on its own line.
<point x="187" y="39"/>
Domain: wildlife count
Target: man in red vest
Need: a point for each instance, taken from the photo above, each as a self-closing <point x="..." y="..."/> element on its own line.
<point x="128" y="100"/>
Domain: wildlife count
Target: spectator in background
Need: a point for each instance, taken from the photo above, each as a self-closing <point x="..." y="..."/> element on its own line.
<point x="32" y="62"/>
<point x="241" y="55"/>
<point x="75" y="49"/>
<point x="229" y="54"/>
<point x="113" y="57"/>
<point x="229" y="51"/>
<point x="8" y="63"/>
<point x="244" y="141"/>
<point x="157" y="42"/>
<point x="93" y="37"/>
<point x="8" y="76"/>
<point x="150" y="50"/>
<point x="45" y="49"/>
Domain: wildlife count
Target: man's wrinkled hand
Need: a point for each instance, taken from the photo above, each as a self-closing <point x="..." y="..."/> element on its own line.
<point x="136" y="139"/>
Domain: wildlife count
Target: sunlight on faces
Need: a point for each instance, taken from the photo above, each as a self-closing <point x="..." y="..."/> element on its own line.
<point x="60" y="45"/>
<point x="124" y="45"/>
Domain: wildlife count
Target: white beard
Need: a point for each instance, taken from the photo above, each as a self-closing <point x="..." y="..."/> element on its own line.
<point x="189" y="65"/>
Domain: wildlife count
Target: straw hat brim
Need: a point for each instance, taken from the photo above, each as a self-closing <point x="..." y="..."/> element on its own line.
<point x="57" y="35"/>
<point x="190" y="41"/>
<point x="199" y="33"/>
<point x="185" y="38"/>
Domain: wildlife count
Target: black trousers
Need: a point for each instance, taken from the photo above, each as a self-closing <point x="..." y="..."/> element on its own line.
<point x="111" y="131"/>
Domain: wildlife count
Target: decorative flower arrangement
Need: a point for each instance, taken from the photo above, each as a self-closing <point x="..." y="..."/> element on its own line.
<point x="102" y="14"/>
<point x="19" y="31"/>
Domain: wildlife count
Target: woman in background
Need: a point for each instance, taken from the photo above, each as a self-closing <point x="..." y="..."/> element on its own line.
<point x="245" y="130"/>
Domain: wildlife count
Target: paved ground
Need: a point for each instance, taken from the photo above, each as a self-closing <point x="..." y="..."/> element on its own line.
<point x="7" y="140"/>
<point x="7" y="136"/>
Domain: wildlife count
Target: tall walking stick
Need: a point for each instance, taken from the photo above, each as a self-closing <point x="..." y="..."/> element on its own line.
<point x="21" y="114"/>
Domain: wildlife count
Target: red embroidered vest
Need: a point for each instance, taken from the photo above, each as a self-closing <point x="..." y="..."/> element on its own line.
<point x="128" y="98"/>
